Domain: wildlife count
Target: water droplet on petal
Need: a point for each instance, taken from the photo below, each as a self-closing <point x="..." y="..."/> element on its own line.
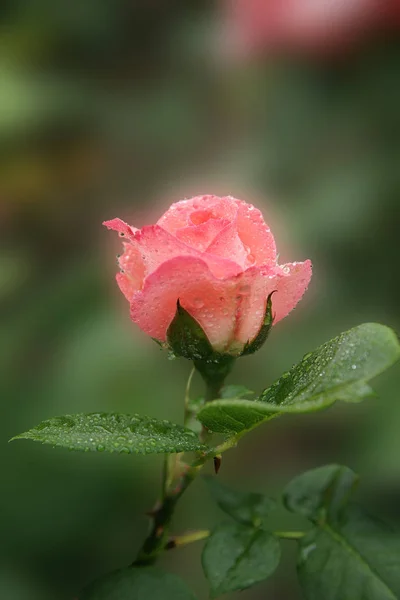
<point x="244" y="289"/>
<point x="198" y="303"/>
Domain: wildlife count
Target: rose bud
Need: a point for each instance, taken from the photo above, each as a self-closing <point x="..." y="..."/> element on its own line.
<point x="205" y="278"/>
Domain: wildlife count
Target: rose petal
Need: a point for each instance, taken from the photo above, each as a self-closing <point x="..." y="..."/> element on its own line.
<point x="195" y="211"/>
<point x="211" y="301"/>
<point x="200" y="236"/>
<point x="157" y="246"/>
<point x="121" y="227"/>
<point x="228" y="243"/>
<point x="255" y="234"/>
<point x="199" y="220"/>
<point x="125" y="285"/>
<point x="290" y="282"/>
<point x="132" y="271"/>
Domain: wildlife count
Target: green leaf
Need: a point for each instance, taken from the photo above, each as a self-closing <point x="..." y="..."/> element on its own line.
<point x="320" y="492"/>
<point x="338" y="370"/>
<point x="235" y="557"/>
<point x="235" y="391"/>
<point x="144" y="583"/>
<point x="247" y="508"/>
<point x="187" y="338"/>
<point x="348" y="555"/>
<point x="113" y="432"/>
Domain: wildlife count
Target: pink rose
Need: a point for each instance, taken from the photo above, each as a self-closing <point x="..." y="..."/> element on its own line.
<point x="218" y="257"/>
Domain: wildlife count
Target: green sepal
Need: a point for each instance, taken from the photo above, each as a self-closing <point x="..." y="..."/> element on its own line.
<point x="187" y="338"/>
<point x="262" y="335"/>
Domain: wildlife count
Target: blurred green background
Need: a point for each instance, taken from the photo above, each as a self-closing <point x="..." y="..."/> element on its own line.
<point x="115" y="108"/>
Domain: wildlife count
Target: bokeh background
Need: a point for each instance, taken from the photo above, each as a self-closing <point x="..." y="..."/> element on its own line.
<point x="116" y="108"/>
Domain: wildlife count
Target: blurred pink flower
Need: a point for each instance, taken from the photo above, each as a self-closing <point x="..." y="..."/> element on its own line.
<point x="218" y="257"/>
<point x="256" y="26"/>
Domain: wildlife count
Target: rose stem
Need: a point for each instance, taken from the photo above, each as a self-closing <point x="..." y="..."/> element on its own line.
<point x="162" y="514"/>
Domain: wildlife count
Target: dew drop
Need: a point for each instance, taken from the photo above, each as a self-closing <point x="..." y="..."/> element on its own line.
<point x="244" y="289"/>
<point x="198" y="303"/>
<point x="251" y="258"/>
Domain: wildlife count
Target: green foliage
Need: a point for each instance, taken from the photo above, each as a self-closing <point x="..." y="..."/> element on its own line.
<point x="247" y="508"/>
<point x="236" y="557"/>
<point x="348" y="555"/>
<point x="113" y="432"/>
<point x="338" y="370"/>
<point x="145" y="583"/>
<point x="320" y="492"/>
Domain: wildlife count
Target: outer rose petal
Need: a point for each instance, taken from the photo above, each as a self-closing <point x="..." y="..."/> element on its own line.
<point x="157" y="246"/>
<point x="290" y="282"/>
<point x="211" y="301"/>
<point x="255" y="234"/>
<point x="123" y="228"/>
<point x="291" y="285"/>
<point x="125" y="285"/>
<point x="132" y="271"/>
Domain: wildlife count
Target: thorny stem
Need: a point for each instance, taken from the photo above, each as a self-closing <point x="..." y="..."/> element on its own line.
<point x="172" y="490"/>
<point x="173" y="487"/>
<point x="162" y="516"/>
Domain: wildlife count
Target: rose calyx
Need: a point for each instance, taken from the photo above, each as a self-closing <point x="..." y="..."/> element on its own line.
<point x="186" y="338"/>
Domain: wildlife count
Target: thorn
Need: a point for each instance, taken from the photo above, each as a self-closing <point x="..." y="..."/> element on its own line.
<point x="153" y="511"/>
<point x="171" y="544"/>
<point x="159" y="531"/>
<point x="217" y="463"/>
